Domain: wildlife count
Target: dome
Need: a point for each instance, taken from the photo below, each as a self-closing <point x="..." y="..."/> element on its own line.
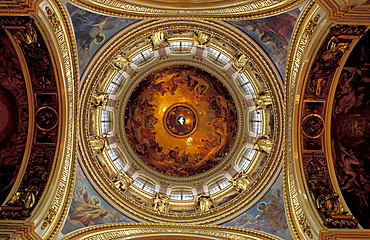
<point x="181" y="123"/>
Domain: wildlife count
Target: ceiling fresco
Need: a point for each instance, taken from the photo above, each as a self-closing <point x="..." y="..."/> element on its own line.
<point x="88" y="208"/>
<point x="214" y="119"/>
<point x="350" y="131"/>
<point x="13" y="115"/>
<point x="267" y="215"/>
<point x="29" y="137"/>
<point x="181" y="121"/>
<point x="92" y="30"/>
<point x="272" y="33"/>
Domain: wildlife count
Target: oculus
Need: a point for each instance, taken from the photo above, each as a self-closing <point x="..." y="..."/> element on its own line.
<point x="180" y="120"/>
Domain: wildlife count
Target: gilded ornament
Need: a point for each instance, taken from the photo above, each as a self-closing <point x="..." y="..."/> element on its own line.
<point x="27" y="36"/>
<point x="49" y="217"/>
<point x="239" y="61"/>
<point x="203" y="203"/>
<point x="46" y="118"/>
<point x="99" y="99"/>
<point x="122" y="181"/>
<point x="302" y="220"/>
<point x="146" y="213"/>
<point x="201" y="39"/>
<point x="160" y="202"/>
<point x="98" y="144"/>
<point x="120" y="62"/>
<point x="55" y="23"/>
<point x="311" y="26"/>
<point x="241" y="181"/>
<point x="313" y="125"/>
<point x="263" y="143"/>
<point x="24" y="199"/>
<point x="263" y="100"/>
<point x="328" y="203"/>
<point x="159" y="40"/>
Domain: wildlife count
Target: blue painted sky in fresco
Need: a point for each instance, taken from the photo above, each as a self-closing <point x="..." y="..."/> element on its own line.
<point x="92" y="31"/>
<point x="273" y="34"/>
<point x="79" y="215"/>
<point x="271" y="219"/>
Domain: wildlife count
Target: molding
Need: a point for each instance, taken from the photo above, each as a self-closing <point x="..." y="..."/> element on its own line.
<point x="344" y="234"/>
<point x="346" y="12"/>
<point x="239" y="10"/>
<point x="54" y="24"/>
<point x="19" y="8"/>
<point x="16" y="230"/>
<point x="300" y="221"/>
<point x="115" y="231"/>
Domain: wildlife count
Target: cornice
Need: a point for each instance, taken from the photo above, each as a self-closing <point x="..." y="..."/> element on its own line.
<point x="342" y="12"/>
<point x="143" y="229"/>
<point x="19" y="8"/>
<point x="238" y="11"/>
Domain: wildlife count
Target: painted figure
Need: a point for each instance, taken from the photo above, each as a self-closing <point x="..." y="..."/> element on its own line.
<point x="88" y="212"/>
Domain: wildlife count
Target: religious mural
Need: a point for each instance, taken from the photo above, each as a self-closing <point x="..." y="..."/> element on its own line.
<point x="13" y="115"/>
<point x="88" y="208"/>
<point x="351" y="131"/>
<point x="267" y="215"/>
<point x="273" y="34"/>
<point x="181" y="121"/>
<point x="92" y="30"/>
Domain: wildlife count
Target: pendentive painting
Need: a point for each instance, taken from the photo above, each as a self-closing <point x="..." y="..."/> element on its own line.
<point x="267" y="215"/>
<point x="272" y="33"/>
<point x="88" y="208"/>
<point x="351" y="131"/>
<point x="92" y="31"/>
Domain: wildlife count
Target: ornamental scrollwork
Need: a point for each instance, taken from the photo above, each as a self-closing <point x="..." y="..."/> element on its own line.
<point x="55" y="23"/>
<point x="326" y="199"/>
<point x="302" y="220"/>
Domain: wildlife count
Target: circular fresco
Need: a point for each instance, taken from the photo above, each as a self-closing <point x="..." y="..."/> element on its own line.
<point x="181" y="121"/>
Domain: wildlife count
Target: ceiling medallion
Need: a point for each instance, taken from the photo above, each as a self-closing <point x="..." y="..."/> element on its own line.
<point x="181" y="121"/>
